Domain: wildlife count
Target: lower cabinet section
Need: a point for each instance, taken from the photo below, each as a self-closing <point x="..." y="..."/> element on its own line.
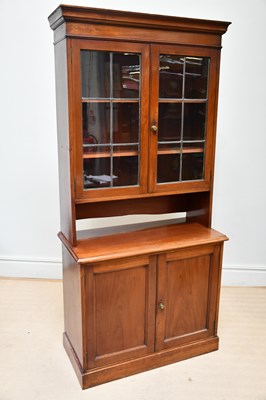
<point x="140" y="312"/>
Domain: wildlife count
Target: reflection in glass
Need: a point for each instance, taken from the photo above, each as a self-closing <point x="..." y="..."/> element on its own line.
<point x="194" y="121"/>
<point x="125" y="122"/>
<point x="126" y="75"/>
<point x="183" y="80"/>
<point x="95" y="66"/>
<point x="192" y="166"/>
<point x="168" y="166"/>
<point x="94" y="151"/>
<point x="96" y="123"/>
<point x="126" y="170"/>
<point x="96" y="170"/>
<point x="196" y="81"/>
<point x="110" y="118"/>
<point x="170" y="76"/>
<point x="170" y="117"/>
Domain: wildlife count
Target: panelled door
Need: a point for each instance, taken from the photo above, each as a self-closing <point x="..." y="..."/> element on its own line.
<point x="187" y="289"/>
<point x="120" y="304"/>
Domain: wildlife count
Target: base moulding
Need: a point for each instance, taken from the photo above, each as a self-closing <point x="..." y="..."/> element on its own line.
<point x="123" y="369"/>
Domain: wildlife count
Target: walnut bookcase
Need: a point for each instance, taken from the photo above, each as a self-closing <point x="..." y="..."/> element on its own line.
<point x="136" y="118"/>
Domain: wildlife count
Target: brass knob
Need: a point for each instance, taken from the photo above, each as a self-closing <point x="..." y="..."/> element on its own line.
<point x="161" y="305"/>
<point x="154" y="128"/>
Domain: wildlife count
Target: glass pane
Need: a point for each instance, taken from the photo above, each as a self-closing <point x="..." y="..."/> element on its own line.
<point x="194" y="121"/>
<point x="196" y="81"/>
<point x="126" y="75"/>
<point x="96" y="123"/>
<point x="95" y="67"/>
<point x="125" y="168"/>
<point x="170" y="116"/>
<point x="96" y="167"/>
<point x="192" y="166"/>
<point x="125" y="122"/>
<point x="168" y="163"/>
<point x="107" y="77"/>
<point x="92" y="151"/>
<point x="171" y="76"/>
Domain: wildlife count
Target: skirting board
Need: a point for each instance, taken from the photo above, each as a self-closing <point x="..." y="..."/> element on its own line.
<point x="52" y="269"/>
<point x="30" y="268"/>
<point x="244" y="276"/>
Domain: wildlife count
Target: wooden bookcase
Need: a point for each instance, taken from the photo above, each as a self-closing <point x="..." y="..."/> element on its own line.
<point x="136" y="118"/>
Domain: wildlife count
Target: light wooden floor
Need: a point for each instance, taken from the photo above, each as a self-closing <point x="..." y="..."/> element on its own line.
<point x="33" y="363"/>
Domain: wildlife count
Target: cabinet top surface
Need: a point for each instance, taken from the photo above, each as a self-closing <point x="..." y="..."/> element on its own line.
<point x="139" y="242"/>
<point x="67" y="13"/>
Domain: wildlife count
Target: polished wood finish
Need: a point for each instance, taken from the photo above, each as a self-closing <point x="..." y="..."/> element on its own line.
<point x="66" y="178"/>
<point x="120" y="300"/>
<point x="97" y="376"/>
<point x="137" y="205"/>
<point x="153" y="240"/>
<point x="137" y="296"/>
<point x="72" y="304"/>
<point x="72" y="21"/>
<point x="193" y="274"/>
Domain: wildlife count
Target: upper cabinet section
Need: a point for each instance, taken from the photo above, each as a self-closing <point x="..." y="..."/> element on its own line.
<point x="141" y="102"/>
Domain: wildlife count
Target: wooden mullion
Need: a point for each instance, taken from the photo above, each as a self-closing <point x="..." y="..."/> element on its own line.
<point x="154" y="97"/>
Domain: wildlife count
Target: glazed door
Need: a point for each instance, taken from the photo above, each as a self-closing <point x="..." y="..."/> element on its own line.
<point x="110" y="86"/>
<point x="120" y="303"/>
<point x="187" y="296"/>
<point x="184" y="83"/>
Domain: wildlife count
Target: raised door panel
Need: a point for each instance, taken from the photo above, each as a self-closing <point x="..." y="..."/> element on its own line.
<point x="120" y="301"/>
<point x="188" y="282"/>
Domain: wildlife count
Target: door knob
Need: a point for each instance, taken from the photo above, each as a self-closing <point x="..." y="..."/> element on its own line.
<point x="154" y="128"/>
<point x="161" y="305"/>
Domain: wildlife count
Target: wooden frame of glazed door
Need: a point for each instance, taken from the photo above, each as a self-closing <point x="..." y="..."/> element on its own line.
<point x="186" y="185"/>
<point x="83" y="195"/>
